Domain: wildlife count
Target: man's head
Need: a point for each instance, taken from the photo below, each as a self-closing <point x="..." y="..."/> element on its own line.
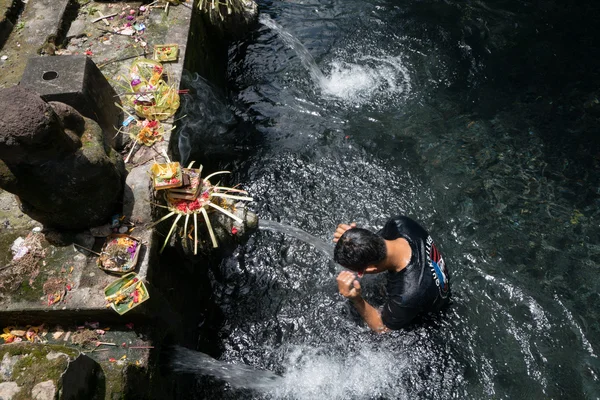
<point x="358" y="249"/>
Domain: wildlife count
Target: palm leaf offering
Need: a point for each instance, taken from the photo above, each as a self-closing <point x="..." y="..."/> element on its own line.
<point x="196" y="195"/>
<point x="152" y="97"/>
<point x="126" y="293"/>
<point x="119" y="254"/>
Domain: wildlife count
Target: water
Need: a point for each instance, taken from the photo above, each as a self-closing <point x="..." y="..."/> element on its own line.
<point x="298" y="234"/>
<point x="478" y="119"/>
<point x="241" y="376"/>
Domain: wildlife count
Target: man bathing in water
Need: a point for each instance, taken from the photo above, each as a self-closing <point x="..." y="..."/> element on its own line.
<point x="418" y="281"/>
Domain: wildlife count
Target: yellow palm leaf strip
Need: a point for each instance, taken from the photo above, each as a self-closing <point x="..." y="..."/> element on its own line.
<point x="170" y="232"/>
<point x="196" y="233"/>
<point x="131" y="151"/>
<point x="209" y="226"/>
<point x="226" y="189"/>
<point x="161" y="220"/>
<point x="224" y="211"/>
<point x="230" y="196"/>
<point x="191" y="164"/>
<point x="187" y="217"/>
<point x="216" y="173"/>
<point x="126" y="112"/>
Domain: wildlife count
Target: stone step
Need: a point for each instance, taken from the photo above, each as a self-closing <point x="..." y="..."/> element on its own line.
<point x="41" y="21"/>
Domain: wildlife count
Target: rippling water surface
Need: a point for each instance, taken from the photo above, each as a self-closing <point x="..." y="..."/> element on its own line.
<point x="456" y="114"/>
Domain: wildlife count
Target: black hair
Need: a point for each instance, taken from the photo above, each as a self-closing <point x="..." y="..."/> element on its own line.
<point x="358" y="248"/>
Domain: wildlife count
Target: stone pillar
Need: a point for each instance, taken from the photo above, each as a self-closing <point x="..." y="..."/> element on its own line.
<point x="57" y="162"/>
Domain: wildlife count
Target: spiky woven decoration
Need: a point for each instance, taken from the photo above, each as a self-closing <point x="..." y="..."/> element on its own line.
<point x="202" y="204"/>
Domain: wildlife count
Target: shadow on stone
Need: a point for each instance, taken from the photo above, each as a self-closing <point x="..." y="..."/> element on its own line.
<point x="57" y="162"/>
<point x="83" y="379"/>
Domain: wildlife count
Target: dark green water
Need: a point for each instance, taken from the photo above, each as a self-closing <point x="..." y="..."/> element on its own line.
<point x="478" y="119"/>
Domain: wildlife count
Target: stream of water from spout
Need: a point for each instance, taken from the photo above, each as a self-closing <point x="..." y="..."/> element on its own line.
<point x="239" y="376"/>
<point x="298" y="234"/>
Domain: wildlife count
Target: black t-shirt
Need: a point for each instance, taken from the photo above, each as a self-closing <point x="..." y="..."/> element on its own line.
<point x="424" y="285"/>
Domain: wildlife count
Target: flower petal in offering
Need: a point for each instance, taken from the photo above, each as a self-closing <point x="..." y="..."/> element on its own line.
<point x="119" y="254"/>
<point x="126" y="293"/>
<point x="152" y="97"/>
<point x="147" y="132"/>
<point x="166" y="52"/>
<point x="166" y="176"/>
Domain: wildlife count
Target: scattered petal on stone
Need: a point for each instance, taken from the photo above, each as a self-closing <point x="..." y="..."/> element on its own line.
<point x="234" y="230"/>
<point x="3" y="58"/>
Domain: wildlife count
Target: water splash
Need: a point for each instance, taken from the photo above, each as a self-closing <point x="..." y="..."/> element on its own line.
<point x="366" y="78"/>
<point x="314" y="374"/>
<point x="311" y="373"/>
<point x="354" y="78"/>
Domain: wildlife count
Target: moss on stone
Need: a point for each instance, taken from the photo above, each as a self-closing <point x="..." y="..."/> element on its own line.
<point x="34" y="367"/>
<point x="115" y="382"/>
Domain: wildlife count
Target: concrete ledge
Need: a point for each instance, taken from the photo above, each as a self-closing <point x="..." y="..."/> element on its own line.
<point x="85" y="300"/>
<point x="42" y="20"/>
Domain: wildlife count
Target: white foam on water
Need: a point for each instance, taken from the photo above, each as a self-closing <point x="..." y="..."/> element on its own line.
<point x="366" y="79"/>
<point x="310" y="373"/>
<point x="356" y="78"/>
<point x="368" y="374"/>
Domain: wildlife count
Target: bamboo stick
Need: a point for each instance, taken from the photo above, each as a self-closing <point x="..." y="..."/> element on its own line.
<point x="216" y="173"/>
<point x="170" y="232"/>
<point x="161" y="220"/>
<point x="196" y="233"/>
<point x="224" y="211"/>
<point x="230" y="196"/>
<point x="209" y="226"/>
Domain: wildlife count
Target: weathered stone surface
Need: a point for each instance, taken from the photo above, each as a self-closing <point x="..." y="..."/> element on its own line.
<point x="7" y="8"/>
<point x="65" y="178"/>
<point x="75" y="80"/>
<point x="55" y="354"/>
<point x="41" y="24"/>
<point x="30" y="131"/>
<point x="6" y="366"/>
<point x="31" y="368"/>
<point x="77" y="28"/>
<point x="44" y="391"/>
<point x="8" y="390"/>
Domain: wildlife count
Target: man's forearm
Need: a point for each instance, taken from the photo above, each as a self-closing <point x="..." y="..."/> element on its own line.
<point x="371" y="316"/>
